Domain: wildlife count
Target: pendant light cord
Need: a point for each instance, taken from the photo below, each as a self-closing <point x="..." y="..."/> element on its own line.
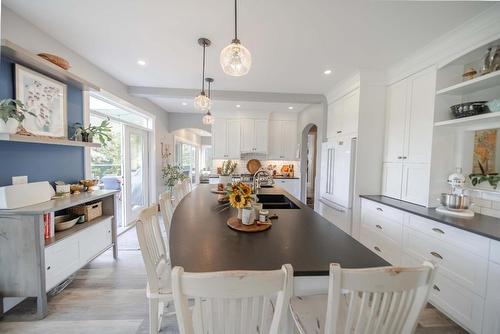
<point x="236" y="19"/>
<point x="203" y="71"/>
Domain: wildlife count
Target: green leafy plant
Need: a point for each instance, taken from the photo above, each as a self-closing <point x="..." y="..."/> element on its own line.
<point x="228" y="167"/>
<point x="15" y="109"/>
<point x="492" y="178"/>
<point x="102" y="132"/>
<point x="172" y="175"/>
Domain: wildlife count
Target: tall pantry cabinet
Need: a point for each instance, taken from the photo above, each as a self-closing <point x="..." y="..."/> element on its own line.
<point x="408" y="137"/>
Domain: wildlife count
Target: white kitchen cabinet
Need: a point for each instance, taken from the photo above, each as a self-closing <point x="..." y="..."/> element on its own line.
<point x="392" y="179"/>
<point x="290" y="185"/>
<point x="254" y="134"/>
<point x="343" y="115"/>
<point x="282" y="140"/>
<point x="336" y="215"/>
<point x="408" y="139"/>
<point x="226" y="138"/>
<point x="492" y="306"/>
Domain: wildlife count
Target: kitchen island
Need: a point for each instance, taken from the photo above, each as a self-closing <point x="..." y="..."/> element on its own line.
<point x="200" y="240"/>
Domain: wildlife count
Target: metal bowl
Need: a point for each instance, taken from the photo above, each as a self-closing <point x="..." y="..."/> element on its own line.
<point x="455" y="202"/>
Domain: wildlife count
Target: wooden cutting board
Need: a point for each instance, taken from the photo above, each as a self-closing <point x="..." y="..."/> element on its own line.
<point x="253" y="165"/>
<point x="235" y="224"/>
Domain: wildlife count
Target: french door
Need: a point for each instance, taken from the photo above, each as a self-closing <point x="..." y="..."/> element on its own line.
<point x="135" y="171"/>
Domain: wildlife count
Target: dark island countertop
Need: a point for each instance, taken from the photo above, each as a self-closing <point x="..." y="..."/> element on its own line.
<point x="200" y="240"/>
<point x="486" y="226"/>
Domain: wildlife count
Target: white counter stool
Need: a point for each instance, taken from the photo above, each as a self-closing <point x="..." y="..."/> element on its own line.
<point x="154" y="254"/>
<point x="232" y="301"/>
<point x="375" y="300"/>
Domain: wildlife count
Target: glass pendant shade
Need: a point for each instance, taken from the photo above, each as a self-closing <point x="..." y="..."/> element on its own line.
<point x="208" y="119"/>
<point x="202" y="102"/>
<point x="235" y="59"/>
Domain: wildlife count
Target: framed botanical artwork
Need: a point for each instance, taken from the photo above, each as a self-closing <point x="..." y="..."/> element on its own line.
<point x="46" y="98"/>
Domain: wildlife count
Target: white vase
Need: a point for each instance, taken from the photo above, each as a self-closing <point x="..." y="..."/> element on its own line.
<point x="225" y="179"/>
<point x="9" y="127"/>
<point x="247" y="216"/>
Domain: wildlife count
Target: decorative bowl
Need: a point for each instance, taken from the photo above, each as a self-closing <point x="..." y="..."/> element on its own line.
<point x="65" y="222"/>
<point x="76" y="188"/>
<point x="88" y="184"/>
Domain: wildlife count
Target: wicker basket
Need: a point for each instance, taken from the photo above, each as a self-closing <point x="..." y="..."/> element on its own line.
<point x="91" y="211"/>
<point x="61" y="62"/>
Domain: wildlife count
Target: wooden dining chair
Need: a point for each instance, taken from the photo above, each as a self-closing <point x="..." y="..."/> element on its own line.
<point x="167" y="212"/>
<point x="385" y="300"/>
<point x="158" y="269"/>
<point x="232" y="301"/>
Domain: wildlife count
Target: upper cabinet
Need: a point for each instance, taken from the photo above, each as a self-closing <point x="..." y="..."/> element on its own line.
<point x="226" y="138"/>
<point x="254" y="136"/>
<point x="282" y="140"/>
<point x="408" y="137"/>
<point x="343" y="115"/>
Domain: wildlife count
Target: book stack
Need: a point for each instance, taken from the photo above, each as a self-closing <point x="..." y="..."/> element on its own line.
<point x="49" y="228"/>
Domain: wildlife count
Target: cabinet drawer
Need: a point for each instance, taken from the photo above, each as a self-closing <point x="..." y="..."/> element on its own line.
<point x="339" y="217"/>
<point x="384" y="211"/>
<point x="463" y="267"/>
<point x="465" y="240"/>
<point x="61" y="260"/>
<point x="460" y="304"/>
<point x="380" y="245"/>
<point x="94" y="239"/>
<point x="386" y="227"/>
<point x="495" y="251"/>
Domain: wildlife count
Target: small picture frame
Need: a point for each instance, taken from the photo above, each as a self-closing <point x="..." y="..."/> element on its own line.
<point x="46" y="98"/>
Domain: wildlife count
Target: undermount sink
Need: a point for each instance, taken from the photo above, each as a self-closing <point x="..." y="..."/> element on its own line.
<point x="270" y="201"/>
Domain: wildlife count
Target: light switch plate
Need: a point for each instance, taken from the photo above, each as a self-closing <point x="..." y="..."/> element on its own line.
<point x="19" y="179"/>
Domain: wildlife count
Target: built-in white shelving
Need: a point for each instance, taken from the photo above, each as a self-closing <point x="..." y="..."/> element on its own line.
<point x="35" y="62"/>
<point x="45" y="140"/>
<point x="470" y="121"/>
<point x="473" y="85"/>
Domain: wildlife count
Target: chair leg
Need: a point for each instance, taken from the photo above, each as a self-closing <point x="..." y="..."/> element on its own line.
<point x="154" y="326"/>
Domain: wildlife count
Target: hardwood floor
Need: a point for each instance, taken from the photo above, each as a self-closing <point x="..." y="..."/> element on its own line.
<point x="109" y="297"/>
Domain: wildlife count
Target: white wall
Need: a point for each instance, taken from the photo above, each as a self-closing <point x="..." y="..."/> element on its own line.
<point x="23" y="33"/>
<point x="314" y="114"/>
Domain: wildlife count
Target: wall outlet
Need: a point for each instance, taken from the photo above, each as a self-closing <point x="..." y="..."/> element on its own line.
<point x="19" y="179"/>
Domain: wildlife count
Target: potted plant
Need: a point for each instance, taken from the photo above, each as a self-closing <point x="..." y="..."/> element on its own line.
<point x="172" y="175"/>
<point x="12" y="113"/>
<point x="227" y="171"/>
<point x="240" y="196"/>
<point x="102" y="132"/>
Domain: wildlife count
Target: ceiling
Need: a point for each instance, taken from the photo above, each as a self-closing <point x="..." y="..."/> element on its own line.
<point x="292" y="41"/>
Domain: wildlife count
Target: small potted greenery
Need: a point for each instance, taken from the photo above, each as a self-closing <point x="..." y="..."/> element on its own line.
<point x="227" y="170"/>
<point x="12" y="114"/>
<point x="172" y="175"/>
<point x="102" y="132"/>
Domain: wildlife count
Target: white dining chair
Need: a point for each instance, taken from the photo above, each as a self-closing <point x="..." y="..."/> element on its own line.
<point x="386" y="300"/>
<point x="188" y="186"/>
<point x="178" y="194"/>
<point x="158" y="269"/>
<point x="232" y="301"/>
<point x="167" y="212"/>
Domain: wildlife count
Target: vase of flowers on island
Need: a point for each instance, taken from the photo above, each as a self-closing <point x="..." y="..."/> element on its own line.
<point x="227" y="171"/>
<point x="240" y="196"/>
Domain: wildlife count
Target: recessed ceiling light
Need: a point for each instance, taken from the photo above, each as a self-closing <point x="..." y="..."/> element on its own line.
<point x="237" y="106"/>
<point x="184" y="103"/>
<point x="141" y="62"/>
<point x="290" y="108"/>
<point x="327" y="72"/>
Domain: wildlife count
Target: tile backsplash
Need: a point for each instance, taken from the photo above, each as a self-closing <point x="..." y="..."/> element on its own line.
<point x="485" y="202"/>
<point x="241" y="168"/>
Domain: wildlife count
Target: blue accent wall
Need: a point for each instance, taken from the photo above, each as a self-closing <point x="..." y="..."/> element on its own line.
<point x="40" y="162"/>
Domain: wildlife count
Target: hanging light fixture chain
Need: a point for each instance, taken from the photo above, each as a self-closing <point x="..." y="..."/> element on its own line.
<point x="236" y="19"/>
<point x="203" y="71"/>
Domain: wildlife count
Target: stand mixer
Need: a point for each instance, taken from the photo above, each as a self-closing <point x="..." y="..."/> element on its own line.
<point x="456" y="203"/>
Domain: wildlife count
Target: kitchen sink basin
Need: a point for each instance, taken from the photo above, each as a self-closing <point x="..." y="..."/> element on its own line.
<point x="270" y="201"/>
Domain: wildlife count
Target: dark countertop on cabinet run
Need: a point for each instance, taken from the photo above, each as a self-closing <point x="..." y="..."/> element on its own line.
<point x="479" y="224"/>
<point x="200" y="240"/>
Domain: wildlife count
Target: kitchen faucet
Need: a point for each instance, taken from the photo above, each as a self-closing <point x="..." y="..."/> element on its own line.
<point x="256" y="179"/>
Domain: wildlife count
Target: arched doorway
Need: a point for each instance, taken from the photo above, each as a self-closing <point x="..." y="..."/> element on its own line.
<point x="309" y="140"/>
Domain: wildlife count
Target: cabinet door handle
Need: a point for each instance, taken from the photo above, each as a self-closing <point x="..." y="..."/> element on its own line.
<point x="405" y="157"/>
<point x="438" y="230"/>
<point x="48" y="268"/>
<point x="339" y="131"/>
<point x="435" y="287"/>
<point x="377" y="249"/>
<point x="378" y="226"/>
<point x="380" y="209"/>
<point x="437" y="255"/>
<point x="400" y="157"/>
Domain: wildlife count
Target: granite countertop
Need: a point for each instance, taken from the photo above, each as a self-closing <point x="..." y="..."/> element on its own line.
<point x="483" y="225"/>
<point x="200" y="240"/>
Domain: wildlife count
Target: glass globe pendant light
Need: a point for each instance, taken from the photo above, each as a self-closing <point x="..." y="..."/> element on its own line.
<point x="208" y="118"/>
<point x="202" y="101"/>
<point x="235" y="59"/>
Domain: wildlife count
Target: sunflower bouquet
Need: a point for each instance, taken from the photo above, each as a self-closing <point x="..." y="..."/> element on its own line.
<point x="239" y="194"/>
